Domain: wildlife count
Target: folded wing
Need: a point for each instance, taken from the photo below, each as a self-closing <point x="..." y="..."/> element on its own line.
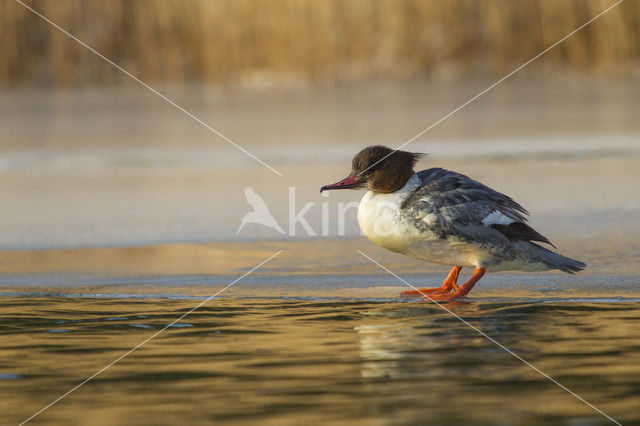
<point x="450" y="204"/>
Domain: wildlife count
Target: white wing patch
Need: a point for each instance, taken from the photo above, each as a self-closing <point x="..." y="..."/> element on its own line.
<point x="497" y="218"/>
<point x="430" y="219"/>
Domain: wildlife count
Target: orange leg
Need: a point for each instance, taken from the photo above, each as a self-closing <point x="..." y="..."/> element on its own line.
<point x="450" y="283"/>
<point x="462" y="291"/>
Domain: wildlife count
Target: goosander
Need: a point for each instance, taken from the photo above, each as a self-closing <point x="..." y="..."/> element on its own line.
<point x="447" y="218"/>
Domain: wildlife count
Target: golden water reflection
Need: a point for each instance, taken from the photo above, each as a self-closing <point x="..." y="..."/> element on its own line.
<point x="277" y="361"/>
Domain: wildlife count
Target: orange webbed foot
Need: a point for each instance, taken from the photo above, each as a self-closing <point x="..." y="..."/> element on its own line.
<point x="448" y="285"/>
<point x="422" y="291"/>
<point x="461" y="291"/>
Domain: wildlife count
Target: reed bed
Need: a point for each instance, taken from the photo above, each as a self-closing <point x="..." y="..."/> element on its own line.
<point x="272" y="42"/>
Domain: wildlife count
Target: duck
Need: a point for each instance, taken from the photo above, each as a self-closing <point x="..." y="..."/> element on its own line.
<point x="445" y="217"/>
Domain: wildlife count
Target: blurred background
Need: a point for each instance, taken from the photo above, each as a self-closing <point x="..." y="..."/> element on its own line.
<point x="296" y="42"/>
<point x="90" y="157"/>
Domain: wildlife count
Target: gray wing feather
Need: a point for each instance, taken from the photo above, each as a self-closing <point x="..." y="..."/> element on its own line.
<point x="456" y="206"/>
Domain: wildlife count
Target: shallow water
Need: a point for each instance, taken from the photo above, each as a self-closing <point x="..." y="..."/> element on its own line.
<point x="328" y="361"/>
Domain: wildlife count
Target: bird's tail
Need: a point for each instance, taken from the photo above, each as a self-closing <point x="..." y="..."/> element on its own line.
<point x="557" y="261"/>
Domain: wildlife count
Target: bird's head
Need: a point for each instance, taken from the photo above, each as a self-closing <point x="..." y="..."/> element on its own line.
<point x="378" y="168"/>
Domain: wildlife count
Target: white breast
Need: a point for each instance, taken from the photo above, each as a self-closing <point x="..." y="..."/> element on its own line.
<point x="380" y="219"/>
